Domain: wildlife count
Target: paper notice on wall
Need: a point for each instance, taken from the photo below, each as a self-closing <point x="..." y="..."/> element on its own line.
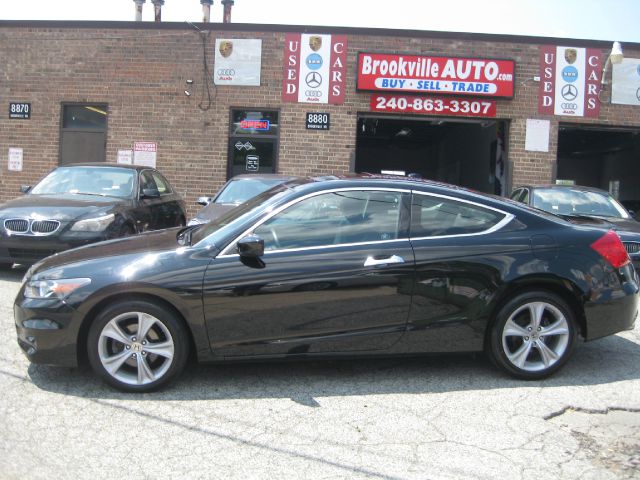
<point x="15" y="160"/>
<point x="625" y="87"/>
<point x="537" y="136"/>
<point x="125" y="157"/>
<point x="145" y="153"/>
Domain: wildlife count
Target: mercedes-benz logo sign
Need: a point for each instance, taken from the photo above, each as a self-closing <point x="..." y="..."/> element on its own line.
<point x="313" y="79"/>
<point x="569" y="92"/>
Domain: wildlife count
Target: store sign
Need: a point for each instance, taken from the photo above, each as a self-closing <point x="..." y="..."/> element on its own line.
<point x="625" y="84"/>
<point x="464" y="107"/>
<point x="21" y="111"/>
<point x="254" y="124"/>
<point x="145" y="153"/>
<point x="569" y="81"/>
<point x="237" y="62"/>
<point x="252" y="163"/>
<point x="439" y="75"/>
<point x="318" y="121"/>
<point x="314" y="68"/>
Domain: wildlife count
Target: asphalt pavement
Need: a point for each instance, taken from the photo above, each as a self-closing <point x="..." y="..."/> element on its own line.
<point x="436" y="417"/>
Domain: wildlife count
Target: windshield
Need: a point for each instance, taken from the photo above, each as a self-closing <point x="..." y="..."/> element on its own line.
<point x="240" y="190"/>
<point x="228" y="221"/>
<point x="106" y="181"/>
<point x="569" y="201"/>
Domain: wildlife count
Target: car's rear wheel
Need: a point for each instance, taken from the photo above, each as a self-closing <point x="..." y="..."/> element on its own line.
<point x="533" y="335"/>
<point x="137" y="346"/>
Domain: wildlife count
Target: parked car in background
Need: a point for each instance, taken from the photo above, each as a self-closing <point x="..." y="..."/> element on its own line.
<point x="236" y="191"/>
<point x="585" y="206"/>
<point x="332" y="267"/>
<point x="84" y="203"/>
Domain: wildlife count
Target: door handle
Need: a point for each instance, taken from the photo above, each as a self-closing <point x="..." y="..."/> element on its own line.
<point x="376" y="262"/>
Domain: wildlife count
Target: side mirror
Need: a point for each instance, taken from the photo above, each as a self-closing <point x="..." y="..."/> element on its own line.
<point x="150" y="193"/>
<point x="25" y="188"/>
<point x="204" y="201"/>
<point x="251" y="246"/>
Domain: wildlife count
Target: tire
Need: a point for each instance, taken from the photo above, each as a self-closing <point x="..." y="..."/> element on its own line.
<point x="6" y="266"/>
<point x="134" y="364"/>
<point x="533" y="335"/>
<point x="124" y="230"/>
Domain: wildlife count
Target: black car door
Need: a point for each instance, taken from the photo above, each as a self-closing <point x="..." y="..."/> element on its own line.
<point x="336" y="276"/>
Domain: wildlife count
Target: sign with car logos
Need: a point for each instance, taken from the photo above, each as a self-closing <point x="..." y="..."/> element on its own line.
<point x="569" y="81"/>
<point x="19" y="110"/>
<point x="314" y="68"/>
<point x="318" y="121"/>
<point x="237" y="62"/>
<point x="625" y="84"/>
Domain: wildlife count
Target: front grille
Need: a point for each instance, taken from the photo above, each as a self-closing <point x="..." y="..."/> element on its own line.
<point x="44" y="226"/>
<point x="29" y="254"/>
<point x="17" y="225"/>
<point x="632" y="247"/>
<point x="28" y="226"/>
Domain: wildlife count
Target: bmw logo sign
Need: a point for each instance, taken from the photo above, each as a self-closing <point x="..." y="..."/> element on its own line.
<point x="570" y="73"/>
<point x="314" y="61"/>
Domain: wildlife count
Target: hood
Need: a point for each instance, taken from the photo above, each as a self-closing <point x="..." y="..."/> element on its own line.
<point x="158" y="240"/>
<point x="214" y="210"/>
<point x="58" y="207"/>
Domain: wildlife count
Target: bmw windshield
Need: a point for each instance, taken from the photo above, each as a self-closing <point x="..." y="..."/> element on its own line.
<point x="577" y="202"/>
<point x="104" y="181"/>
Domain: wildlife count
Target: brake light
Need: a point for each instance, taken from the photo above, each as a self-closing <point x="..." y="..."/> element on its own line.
<point x="612" y="250"/>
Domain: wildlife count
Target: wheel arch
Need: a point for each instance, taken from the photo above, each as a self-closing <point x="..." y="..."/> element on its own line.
<point x="565" y="289"/>
<point x="90" y="316"/>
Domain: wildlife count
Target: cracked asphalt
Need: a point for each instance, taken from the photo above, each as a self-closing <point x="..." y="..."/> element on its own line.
<point x="439" y="417"/>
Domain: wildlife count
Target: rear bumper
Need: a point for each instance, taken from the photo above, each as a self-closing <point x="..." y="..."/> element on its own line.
<point x="613" y="310"/>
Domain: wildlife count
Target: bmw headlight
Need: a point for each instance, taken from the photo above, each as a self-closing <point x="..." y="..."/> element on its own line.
<point x="97" y="224"/>
<point x="60" y="288"/>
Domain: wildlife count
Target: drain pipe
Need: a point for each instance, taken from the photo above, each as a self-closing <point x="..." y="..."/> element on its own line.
<point x="206" y="10"/>
<point x="157" y="4"/>
<point x="226" y="16"/>
<point x="139" y="4"/>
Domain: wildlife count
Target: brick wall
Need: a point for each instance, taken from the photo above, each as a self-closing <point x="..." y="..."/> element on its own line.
<point x="140" y="70"/>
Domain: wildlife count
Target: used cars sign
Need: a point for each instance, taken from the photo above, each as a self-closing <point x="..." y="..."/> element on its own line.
<point x="442" y="75"/>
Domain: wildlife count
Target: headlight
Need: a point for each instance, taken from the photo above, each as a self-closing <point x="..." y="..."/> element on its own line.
<point x="97" y="224"/>
<point x="60" y="288"/>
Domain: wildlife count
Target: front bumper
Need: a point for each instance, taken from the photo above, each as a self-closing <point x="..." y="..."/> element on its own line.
<point x="29" y="249"/>
<point x="47" y="331"/>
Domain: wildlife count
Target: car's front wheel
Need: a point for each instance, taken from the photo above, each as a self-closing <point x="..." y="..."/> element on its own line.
<point x="137" y="346"/>
<point x="533" y="335"/>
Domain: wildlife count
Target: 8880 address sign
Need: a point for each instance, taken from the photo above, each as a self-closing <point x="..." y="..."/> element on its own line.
<point x="433" y="105"/>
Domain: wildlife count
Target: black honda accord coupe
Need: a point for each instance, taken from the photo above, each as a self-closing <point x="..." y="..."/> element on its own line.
<point x="83" y="203"/>
<point x="332" y="267"/>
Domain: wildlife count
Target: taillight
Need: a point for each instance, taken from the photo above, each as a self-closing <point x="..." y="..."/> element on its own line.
<point x="612" y="250"/>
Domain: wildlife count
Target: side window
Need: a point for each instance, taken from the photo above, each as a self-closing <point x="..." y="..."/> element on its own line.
<point x="146" y="181"/>
<point x="515" y="195"/>
<point x="524" y="198"/>
<point x="332" y="219"/>
<point x="161" y="184"/>
<point x="435" y="216"/>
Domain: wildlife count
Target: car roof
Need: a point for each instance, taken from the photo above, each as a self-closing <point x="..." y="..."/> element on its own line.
<point x="105" y="165"/>
<point x="273" y="176"/>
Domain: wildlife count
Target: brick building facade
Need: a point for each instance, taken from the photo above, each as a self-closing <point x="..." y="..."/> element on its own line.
<point x="139" y="71"/>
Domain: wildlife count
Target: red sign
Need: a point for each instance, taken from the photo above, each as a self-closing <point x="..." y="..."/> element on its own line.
<point x="314" y="68"/>
<point x="440" y="75"/>
<point x="433" y="105"/>
<point x="569" y="81"/>
<point x="254" y="124"/>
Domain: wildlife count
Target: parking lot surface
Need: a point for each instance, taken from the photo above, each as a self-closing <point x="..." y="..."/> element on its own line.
<point x="436" y="417"/>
